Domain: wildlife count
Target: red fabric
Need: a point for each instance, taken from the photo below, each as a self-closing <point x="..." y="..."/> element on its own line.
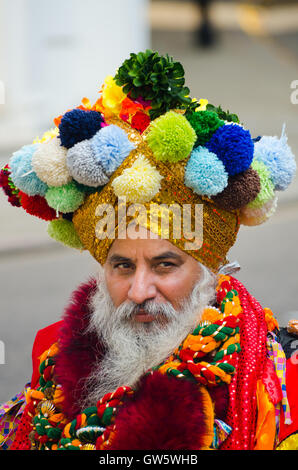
<point x="164" y="414"/>
<point x="271" y="382"/>
<point x="21" y="440"/>
<point x="242" y="410"/>
<point x="156" y="403"/>
<point x="292" y="387"/>
<point x="43" y="340"/>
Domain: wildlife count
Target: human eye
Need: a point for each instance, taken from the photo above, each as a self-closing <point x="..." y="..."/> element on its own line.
<point x="165" y="266"/>
<point x="124" y="266"/>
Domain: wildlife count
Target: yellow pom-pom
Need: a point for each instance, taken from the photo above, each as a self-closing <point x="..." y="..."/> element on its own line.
<point x="139" y="183"/>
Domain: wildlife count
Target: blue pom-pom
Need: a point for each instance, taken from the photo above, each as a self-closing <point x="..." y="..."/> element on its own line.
<point x="84" y="167"/>
<point x="77" y="125"/>
<point x="233" y="145"/>
<point x="22" y="173"/>
<point x="276" y="154"/>
<point x="205" y="173"/>
<point x="111" y="146"/>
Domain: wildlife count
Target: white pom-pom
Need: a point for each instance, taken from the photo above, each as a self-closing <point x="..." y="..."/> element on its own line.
<point x="49" y="163"/>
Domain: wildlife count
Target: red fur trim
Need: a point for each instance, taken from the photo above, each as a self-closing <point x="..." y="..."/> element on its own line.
<point x="220" y="398"/>
<point x="78" y="351"/>
<point x="165" y="413"/>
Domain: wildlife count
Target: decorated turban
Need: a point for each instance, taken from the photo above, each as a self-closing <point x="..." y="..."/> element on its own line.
<point x="146" y="143"/>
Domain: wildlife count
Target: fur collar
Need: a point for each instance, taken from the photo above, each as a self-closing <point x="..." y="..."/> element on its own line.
<point x="78" y="351"/>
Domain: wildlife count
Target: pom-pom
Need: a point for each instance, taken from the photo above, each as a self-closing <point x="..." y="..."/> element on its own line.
<point x="259" y="215"/>
<point x="267" y="187"/>
<point x="49" y="163"/>
<point x="77" y="125"/>
<point x="233" y="146"/>
<point x="84" y="166"/>
<point x="140" y="121"/>
<point x="37" y="206"/>
<point x="63" y="231"/>
<point x="205" y="123"/>
<point x="242" y="189"/>
<point x="65" y="198"/>
<point x="205" y="173"/>
<point x="111" y="146"/>
<point x="171" y="137"/>
<point x="8" y="187"/>
<point x="279" y="159"/>
<point x="88" y="189"/>
<point x="23" y="174"/>
<point x="139" y="183"/>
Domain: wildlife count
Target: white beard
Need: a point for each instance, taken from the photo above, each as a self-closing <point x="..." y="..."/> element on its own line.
<point x="133" y="348"/>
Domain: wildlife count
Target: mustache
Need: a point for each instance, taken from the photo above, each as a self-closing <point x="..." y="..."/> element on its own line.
<point x="128" y="309"/>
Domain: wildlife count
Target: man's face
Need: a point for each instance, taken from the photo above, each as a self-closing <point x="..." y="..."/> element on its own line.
<point x="149" y="269"/>
<point x="149" y="297"/>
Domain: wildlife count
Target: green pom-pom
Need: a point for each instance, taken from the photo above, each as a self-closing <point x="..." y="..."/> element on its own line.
<point x="88" y="189"/>
<point x="66" y="198"/>
<point x="267" y="186"/>
<point x="54" y="433"/>
<point x="205" y="123"/>
<point x="171" y="137"/>
<point x="63" y="231"/>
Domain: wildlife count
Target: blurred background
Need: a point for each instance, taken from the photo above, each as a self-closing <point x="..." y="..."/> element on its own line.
<point x="240" y="55"/>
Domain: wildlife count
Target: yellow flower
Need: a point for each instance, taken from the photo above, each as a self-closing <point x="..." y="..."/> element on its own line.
<point x="48" y="135"/>
<point x="112" y="95"/>
<point x="203" y="104"/>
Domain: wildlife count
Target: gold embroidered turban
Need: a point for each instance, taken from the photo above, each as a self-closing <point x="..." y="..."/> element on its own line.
<point x="146" y="152"/>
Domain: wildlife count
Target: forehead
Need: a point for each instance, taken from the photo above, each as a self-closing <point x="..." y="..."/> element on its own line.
<point x="146" y="246"/>
<point x="145" y="249"/>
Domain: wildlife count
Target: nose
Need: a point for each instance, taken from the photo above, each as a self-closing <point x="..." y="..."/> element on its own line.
<point x="142" y="286"/>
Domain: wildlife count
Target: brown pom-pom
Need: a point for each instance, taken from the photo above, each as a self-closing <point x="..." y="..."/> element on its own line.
<point x="242" y="189"/>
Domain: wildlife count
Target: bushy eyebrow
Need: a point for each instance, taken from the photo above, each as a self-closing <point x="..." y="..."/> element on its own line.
<point x="116" y="258"/>
<point x="119" y="259"/>
<point x="168" y="254"/>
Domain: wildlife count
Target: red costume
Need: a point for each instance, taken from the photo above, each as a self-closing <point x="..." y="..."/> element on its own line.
<point x="165" y="412"/>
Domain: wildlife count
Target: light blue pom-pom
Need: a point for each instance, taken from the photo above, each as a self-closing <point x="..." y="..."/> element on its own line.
<point x="205" y="173"/>
<point x="276" y="154"/>
<point x="111" y="146"/>
<point x="84" y="167"/>
<point x="22" y="173"/>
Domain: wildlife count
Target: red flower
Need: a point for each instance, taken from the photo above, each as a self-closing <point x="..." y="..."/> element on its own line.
<point x="140" y="121"/>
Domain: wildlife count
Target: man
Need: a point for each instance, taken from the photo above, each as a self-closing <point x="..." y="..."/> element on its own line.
<point x="166" y="349"/>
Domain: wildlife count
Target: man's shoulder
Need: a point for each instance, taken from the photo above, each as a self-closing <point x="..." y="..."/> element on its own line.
<point x="44" y="338"/>
<point x="74" y="314"/>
